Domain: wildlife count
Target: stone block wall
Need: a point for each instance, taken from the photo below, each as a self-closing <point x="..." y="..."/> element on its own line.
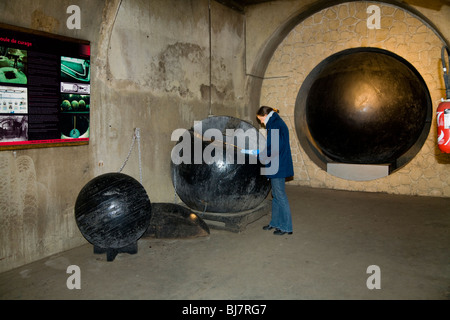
<point x="342" y="27"/>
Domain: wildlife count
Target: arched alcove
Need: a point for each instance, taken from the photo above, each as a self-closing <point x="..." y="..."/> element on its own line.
<point x="327" y="29"/>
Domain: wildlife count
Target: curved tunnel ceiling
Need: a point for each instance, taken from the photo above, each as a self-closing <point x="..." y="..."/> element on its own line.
<point x="240" y="5"/>
<point x="265" y="55"/>
<point x="376" y="110"/>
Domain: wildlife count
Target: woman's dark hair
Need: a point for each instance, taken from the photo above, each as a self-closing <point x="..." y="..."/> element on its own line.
<point x="265" y="110"/>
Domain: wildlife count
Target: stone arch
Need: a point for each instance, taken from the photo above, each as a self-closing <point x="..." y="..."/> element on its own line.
<point x="417" y="177"/>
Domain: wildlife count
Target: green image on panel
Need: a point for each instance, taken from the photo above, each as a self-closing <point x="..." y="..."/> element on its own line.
<point x="13" y="65"/>
<point x="74" y="69"/>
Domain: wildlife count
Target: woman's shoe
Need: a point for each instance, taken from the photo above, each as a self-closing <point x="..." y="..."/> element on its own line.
<point x="268" y="227"/>
<point x="278" y="232"/>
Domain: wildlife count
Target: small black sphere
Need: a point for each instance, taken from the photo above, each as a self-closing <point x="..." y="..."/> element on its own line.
<point x="113" y="210"/>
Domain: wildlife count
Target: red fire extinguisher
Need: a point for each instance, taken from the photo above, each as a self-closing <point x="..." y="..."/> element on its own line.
<point x="443" y="111"/>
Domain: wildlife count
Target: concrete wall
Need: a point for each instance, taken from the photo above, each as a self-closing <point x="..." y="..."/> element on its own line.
<point x="151" y="69"/>
<point x="39" y="186"/>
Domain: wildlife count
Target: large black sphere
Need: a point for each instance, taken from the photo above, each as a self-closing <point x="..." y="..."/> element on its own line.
<point x="223" y="186"/>
<point x="113" y="210"/>
<point x="366" y="107"/>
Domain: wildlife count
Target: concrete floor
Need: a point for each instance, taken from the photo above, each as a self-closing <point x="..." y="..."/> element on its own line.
<point x="337" y="236"/>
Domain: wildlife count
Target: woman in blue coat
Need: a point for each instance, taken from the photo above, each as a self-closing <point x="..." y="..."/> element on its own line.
<point x="278" y="150"/>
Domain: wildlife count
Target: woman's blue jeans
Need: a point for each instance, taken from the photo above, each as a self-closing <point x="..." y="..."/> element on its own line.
<point x="281" y="211"/>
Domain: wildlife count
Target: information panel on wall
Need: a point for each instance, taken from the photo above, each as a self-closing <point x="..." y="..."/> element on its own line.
<point x="44" y="89"/>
